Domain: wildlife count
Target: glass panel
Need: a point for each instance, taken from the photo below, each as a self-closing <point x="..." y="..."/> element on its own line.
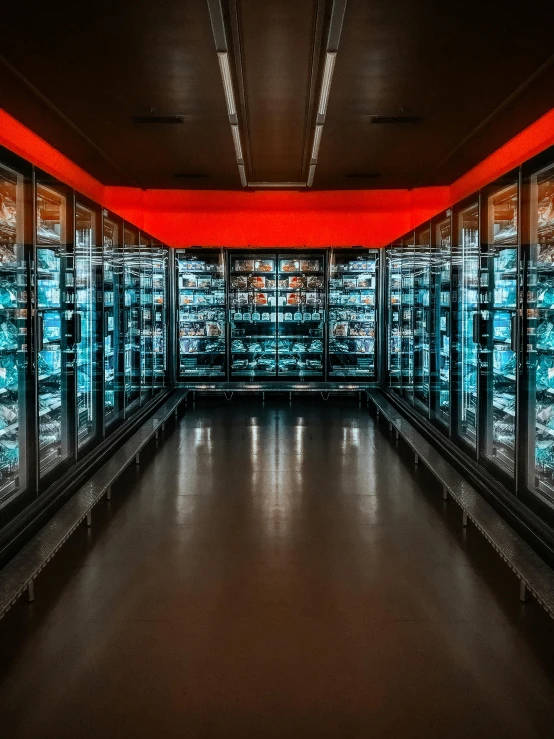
<point x="352" y="309"/>
<point x="253" y="315"/>
<point x="160" y="263"/>
<point x="13" y="337"/>
<point x="147" y="323"/>
<point x="87" y="270"/>
<point x="394" y="308"/>
<point x="440" y="405"/>
<point x="466" y="259"/>
<point x="540" y="342"/>
<point x="113" y="398"/>
<point x="201" y="296"/>
<point x="54" y="442"/>
<point x="301" y="315"/>
<point x="422" y="283"/>
<point x="407" y="322"/>
<point x="501" y="396"/>
<point x="132" y="321"/>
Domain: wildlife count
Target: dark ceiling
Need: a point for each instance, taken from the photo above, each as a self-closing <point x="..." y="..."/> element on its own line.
<point x="475" y="72"/>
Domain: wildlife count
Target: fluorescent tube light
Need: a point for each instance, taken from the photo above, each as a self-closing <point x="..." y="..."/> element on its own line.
<point x="311" y="175"/>
<point x="236" y="140"/>
<point x="317" y="141"/>
<point x="225" y="68"/>
<point x="330" y="58"/>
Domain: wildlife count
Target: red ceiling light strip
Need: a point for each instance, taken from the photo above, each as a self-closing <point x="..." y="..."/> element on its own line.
<point x="277" y="218"/>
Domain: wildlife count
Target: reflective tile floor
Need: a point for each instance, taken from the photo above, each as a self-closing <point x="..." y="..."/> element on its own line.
<point x="276" y="571"/>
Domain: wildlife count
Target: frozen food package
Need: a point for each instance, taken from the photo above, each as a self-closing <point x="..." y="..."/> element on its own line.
<point x="311" y="298"/>
<point x="239" y="282"/>
<point x="205" y="282"/>
<point x="283" y="284"/>
<point x="364" y="281"/>
<point x="340" y="328"/>
<point x="260" y="299"/>
<point x="309" y="265"/>
<point x="256" y="281"/>
<point x="290" y="265"/>
<point x="270" y="284"/>
<point x="244" y="265"/>
<point x="293" y="299"/>
<point x="190" y="281"/>
<point x="264" y="265"/>
<point x="241" y="298"/>
<point x="349" y="282"/>
<point x="314" y="283"/>
<point x="213" y="329"/>
<point x="297" y="281"/>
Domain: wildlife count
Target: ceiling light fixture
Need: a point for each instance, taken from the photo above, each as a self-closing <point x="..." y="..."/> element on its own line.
<point x="328" y="70"/>
<point x="335" y="28"/>
<point x="225" y="69"/>
<point x="220" y="38"/>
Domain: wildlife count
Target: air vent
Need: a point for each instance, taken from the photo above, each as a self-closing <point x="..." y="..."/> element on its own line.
<point x="363" y="175"/>
<point x="190" y="175"/>
<point x="389" y="119"/>
<point x="161" y="119"/>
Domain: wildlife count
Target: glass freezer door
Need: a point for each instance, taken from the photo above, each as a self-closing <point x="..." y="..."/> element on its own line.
<point x="160" y="266"/>
<point x="253" y="316"/>
<point x="113" y="397"/>
<point x="540" y="339"/>
<point x="301" y="316"/>
<point x="52" y="368"/>
<point x="88" y="326"/>
<point x="500" y="290"/>
<point x="422" y="285"/>
<point x="201" y="315"/>
<point x="394" y="308"/>
<point x="466" y="261"/>
<point x="352" y="315"/>
<point x="13" y="337"/>
<point x="440" y="398"/>
<point x="132" y="321"/>
<point x="147" y="322"/>
<point x="407" y="322"/>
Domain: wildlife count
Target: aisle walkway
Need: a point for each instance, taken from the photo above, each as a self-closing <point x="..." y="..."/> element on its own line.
<point x="276" y="572"/>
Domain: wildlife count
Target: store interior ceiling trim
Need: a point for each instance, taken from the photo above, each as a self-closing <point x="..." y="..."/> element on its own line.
<point x="182" y="218"/>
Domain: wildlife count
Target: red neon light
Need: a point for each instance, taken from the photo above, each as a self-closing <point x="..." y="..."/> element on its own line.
<point x="278" y="218"/>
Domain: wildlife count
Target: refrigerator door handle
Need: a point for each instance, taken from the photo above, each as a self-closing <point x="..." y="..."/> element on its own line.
<point x="40" y="332"/>
<point x="78" y="328"/>
<point x="477" y="328"/>
<point x="513" y="333"/>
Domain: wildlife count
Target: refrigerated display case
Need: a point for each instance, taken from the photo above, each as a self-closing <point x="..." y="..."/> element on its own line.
<point x="253" y="316"/>
<point x="132" y="321"/>
<point x="407" y="319"/>
<point x="441" y="321"/>
<point x="55" y="282"/>
<point x="301" y="316"/>
<point x="393" y="263"/>
<point x="421" y="261"/>
<point x="201" y="327"/>
<point x="160" y="272"/>
<point x="113" y="277"/>
<point x="146" y="319"/>
<point x="277" y="315"/>
<point x="14" y="284"/>
<point x="540" y="338"/>
<point x="467" y="324"/>
<point x="353" y="291"/>
<point x="499" y="277"/>
<point x="88" y="326"/>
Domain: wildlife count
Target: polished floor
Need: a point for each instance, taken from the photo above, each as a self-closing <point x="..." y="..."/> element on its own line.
<point x="276" y="571"/>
